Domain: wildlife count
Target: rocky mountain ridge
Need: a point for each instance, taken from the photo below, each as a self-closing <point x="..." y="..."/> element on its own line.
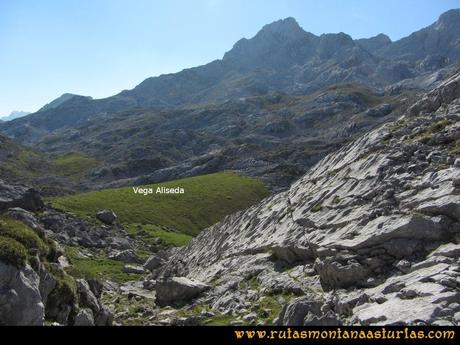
<point x="281" y="57"/>
<point x="368" y="236"/>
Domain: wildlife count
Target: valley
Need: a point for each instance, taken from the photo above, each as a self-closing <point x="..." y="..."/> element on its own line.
<point x="301" y="180"/>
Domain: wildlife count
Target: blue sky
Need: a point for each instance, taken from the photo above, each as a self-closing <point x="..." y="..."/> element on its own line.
<point x="100" y="47"/>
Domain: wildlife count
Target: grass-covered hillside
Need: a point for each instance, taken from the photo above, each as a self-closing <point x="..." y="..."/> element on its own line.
<point x="51" y="174"/>
<point x="172" y="217"/>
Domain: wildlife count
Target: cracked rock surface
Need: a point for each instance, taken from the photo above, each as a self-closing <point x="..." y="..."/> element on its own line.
<point x="370" y="235"/>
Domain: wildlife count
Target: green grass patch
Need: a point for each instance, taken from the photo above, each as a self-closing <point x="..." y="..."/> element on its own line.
<point x="20" y="163"/>
<point x="74" y="166"/>
<point x="206" y="201"/>
<point x="97" y="267"/>
<point x="12" y="252"/>
<point x="219" y="320"/>
<point x="151" y="233"/>
<point x="21" y="233"/>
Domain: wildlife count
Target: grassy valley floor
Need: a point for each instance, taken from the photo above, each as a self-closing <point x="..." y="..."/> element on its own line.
<point x="152" y="220"/>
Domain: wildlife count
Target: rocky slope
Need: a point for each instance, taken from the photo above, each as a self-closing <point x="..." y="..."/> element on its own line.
<point x="276" y="137"/>
<point x="34" y="286"/>
<point x="370" y="235"/>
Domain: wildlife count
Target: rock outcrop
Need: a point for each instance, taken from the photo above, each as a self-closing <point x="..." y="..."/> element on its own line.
<point x="20" y="300"/>
<point x="106" y="216"/>
<point x="19" y="196"/>
<point x="370" y="235"/>
<point x="34" y="287"/>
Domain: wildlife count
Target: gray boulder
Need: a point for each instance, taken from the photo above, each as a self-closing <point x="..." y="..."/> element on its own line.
<point x="47" y="283"/>
<point x="20" y="300"/>
<point x="178" y="290"/>
<point x="107" y="216"/>
<point x="154" y="262"/>
<point x="127" y="256"/>
<point x="104" y="317"/>
<point x="87" y="297"/>
<point x="294" y="313"/>
<point x="19" y="196"/>
<point x="134" y="269"/>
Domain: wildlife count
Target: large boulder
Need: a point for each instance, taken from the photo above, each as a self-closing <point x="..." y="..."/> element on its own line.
<point x="294" y="313"/>
<point x="20" y="300"/>
<point x="335" y="274"/>
<point x="107" y="216"/>
<point x="178" y="290"/>
<point x="19" y="196"/>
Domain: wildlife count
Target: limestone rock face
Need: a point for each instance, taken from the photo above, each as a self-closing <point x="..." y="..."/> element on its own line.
<point x="20" y="300"/>
<point x="368" y="236"/>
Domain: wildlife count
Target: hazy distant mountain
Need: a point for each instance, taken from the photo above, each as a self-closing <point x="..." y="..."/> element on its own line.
<point x="60" y="100"/>
<point x="15" y="115"/>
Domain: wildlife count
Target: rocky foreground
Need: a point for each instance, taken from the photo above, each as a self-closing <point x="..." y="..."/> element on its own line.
<point x="34" y="285"/>
<point x="370" y="236"/>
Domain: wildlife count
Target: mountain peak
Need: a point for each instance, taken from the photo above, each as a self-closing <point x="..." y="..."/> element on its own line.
<point x="286" y="27"/>
<point x="451" y="16"/>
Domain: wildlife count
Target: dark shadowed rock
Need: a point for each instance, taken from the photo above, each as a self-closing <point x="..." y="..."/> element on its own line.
<point x="107" y="216"/>
<point x="19" y="196"/>
<point x="154" y="262"/>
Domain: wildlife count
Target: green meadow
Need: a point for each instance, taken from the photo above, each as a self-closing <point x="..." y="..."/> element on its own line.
<point x="172" y="217"/>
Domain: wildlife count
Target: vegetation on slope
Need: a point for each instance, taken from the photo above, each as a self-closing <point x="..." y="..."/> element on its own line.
<point x="55" y="173"/>
<point x="207" y="199"/>
<point x="19" y="243"/>
<point x="74" y="166"/>
<point x="18" y="162"/>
